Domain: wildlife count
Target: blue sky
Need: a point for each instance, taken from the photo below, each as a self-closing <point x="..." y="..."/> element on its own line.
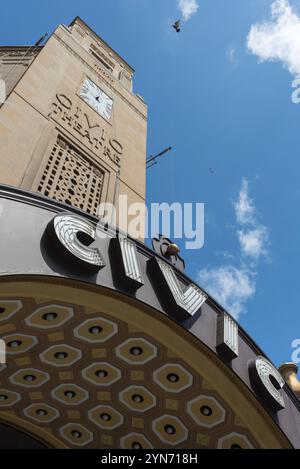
<point x="210" y="98"/>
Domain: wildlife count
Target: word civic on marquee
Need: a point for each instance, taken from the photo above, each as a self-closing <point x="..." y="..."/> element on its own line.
<point x="77" y="244"/>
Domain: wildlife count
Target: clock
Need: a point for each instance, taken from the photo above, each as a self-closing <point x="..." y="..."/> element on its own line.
<point x="96" y="98"/>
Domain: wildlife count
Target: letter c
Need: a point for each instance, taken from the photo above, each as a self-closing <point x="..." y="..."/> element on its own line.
<point x="116" y="146"/>
<point x="65" y="231"/>
<point x="267" y="381"/>
<point x="64" y="101"/>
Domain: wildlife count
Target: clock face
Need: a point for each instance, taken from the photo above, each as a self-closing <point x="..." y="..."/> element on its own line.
<point x="96" y="98"/>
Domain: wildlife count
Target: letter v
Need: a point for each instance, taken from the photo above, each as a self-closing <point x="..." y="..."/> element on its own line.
<point x="89" y="124"/>
<point x="187" y="300"/>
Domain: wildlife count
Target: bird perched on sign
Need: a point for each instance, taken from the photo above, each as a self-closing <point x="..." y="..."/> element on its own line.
<point x="176" y="26"/>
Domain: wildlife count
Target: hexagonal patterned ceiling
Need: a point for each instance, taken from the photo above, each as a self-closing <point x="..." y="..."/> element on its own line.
<point x="91" y="381"/>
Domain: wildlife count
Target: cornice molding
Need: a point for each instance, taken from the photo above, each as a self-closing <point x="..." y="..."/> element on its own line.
<point x="82" y="24"/>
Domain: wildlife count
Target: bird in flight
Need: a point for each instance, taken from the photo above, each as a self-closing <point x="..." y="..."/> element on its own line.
<point x="211" y="171"/>
<point x="176" y="26"/>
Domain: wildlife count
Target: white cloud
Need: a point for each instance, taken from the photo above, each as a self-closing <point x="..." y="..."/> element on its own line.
<point x="279" y="38"/>
<point x="244" y="208"/>
<point x="188" y="8"/>
<point x="253" y="242"/>
<point x="232" y="287"/>
<point x="253" y="238"/>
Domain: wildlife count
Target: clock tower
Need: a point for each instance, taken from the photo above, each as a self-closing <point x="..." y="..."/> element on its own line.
<point x="72" y="128"/>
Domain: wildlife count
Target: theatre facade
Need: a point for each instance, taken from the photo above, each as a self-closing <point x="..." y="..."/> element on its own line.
<point x="108" y="343"/>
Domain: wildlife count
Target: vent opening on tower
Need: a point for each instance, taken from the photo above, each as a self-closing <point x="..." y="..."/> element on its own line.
<point x="70" y="178"/>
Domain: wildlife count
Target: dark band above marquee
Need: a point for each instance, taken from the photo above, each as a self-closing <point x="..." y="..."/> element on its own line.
<point x="42" y="237"/>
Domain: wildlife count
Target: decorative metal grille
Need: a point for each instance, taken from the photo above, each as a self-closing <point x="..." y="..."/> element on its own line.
<point x="70" y="178"/>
